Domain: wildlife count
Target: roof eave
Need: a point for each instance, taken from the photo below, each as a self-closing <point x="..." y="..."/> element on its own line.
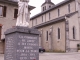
<point x="41" y="13"/>
<point x="50" y="22"/>
<point x="48" y="3"/>
<point x="59" y="19"/>
<point x="31" y="7"/>
<point x="15" y="4"/>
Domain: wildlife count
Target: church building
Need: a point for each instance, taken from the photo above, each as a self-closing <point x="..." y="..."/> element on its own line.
<point x="59" y="25"/>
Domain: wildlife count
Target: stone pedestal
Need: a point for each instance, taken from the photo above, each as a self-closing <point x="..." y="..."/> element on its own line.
<point x="21" y="43"/>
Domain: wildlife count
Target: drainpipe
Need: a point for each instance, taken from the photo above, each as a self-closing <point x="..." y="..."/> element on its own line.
<point x="51" y="38"/>
<point x="67" y="42"/>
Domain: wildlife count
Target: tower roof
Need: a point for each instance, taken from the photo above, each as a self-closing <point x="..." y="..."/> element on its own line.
<point x="47" y="2"/>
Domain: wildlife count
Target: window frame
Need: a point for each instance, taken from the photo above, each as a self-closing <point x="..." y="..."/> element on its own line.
<point x="43" y="9"/>
<point x="47" y="33"/>
<point x="59" y="36"/>
<point x="74" y="32"/>
<point x="36" y="21"/>
<point x="15" y="13"/>
<point x="69" y="8"/>
<point x="42" y="18"/>
<point x="50" y="6"/>
<point x="49" y="15"/>
<point x="2" y="10"/>
<point x="0" y="30"/>
<point x="58" y="12"/>
<point x="32" y="23"/>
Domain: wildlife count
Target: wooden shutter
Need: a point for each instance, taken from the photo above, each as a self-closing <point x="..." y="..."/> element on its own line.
<point x="15" y="13"/>
<point x="4" y="11"/>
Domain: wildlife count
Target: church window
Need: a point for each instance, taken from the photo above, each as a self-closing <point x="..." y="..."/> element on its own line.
<point x="43" y="8"/>
<point x="0" y="31"/>
<point x="69" y="8"/>
<point x="58" y="12"/>
<point x="49" y="6"/>
<point x="32" y="23"/>
<point x="73" y="32"/>
<point x="49" y="16"/>
<point x="42" y="18"/>
<point x="36" y="21"/>
<point x="46" y="35"/>
<point x="58" y="33"/>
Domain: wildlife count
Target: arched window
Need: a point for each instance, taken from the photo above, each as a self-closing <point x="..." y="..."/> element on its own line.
<point x="69" y="8"/>
<point x="58" y="12"/>
<point x="49" y="15"/>
<point x="73" y="32"/>
<point x="0" y="30"/>
<point x="43" y="8"/>
<point x="49" y="6"/>
<point x="46" y="35"/>
<point x="58" y="33"/>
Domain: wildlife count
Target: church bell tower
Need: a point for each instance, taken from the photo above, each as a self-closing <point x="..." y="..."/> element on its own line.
<point x="46" y="5"/>
<point x="47" y="0"/>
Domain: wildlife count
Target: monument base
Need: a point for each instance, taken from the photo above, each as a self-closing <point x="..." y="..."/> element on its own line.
<point x="21" y="43"/>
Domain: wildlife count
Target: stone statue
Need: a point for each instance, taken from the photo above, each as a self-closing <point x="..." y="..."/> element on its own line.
<point x="23" y="19"/>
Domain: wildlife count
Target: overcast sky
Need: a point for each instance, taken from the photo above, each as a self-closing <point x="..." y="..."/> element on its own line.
<point x="38" y="3"/>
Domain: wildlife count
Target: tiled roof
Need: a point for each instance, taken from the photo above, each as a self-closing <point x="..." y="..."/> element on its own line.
<point x="48" y="3"/>
<point x="14" y="3"/>
<point x="62" y="18"/>
<point x="55" y="6"/>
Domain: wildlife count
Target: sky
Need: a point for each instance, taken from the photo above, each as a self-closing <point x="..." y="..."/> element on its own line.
<point x="38" y="3"/>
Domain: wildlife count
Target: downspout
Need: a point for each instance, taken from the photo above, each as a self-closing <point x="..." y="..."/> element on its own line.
<point x="41" y="35"/>
<point x="67" y="42"/>
<point x="51" y="37"/>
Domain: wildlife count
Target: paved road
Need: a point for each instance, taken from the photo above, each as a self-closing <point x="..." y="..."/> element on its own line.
<point x="1" y="56"/>
<point x="55" y="56"/>
<point x="60" y="56"/>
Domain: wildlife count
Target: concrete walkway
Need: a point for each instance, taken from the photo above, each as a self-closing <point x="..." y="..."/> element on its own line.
<point x="59" y="56"/>
<point x="55" y="56"/>
<point x="1" y="56"/>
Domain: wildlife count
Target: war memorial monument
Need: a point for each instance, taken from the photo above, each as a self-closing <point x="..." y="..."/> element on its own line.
<point x="22" y="42"/>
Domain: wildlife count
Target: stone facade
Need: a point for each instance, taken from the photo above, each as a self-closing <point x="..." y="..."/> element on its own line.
<point x="59" y="25"/>
<point x="63" y="16"/>
<point x="53" y="43"/>
<point x="9" y="20"/>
